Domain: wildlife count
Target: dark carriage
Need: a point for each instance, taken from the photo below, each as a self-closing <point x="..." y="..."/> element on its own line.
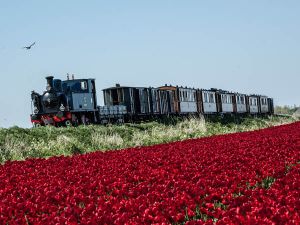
<point x="135" y="99"/>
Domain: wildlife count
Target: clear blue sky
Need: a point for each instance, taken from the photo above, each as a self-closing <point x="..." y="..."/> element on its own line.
<point x="250" y="46"/>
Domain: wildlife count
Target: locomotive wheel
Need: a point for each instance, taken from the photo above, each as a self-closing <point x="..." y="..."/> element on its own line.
<point x="37" y="125"/>
<point x="68" y="123"/>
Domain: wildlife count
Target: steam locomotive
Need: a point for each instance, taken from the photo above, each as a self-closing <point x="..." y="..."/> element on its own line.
<point x="73" y="102"/>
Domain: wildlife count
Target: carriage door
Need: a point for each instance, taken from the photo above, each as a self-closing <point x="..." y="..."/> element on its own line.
<point x="137" y="103"/>
<point x="132" y="105"/>
<point x="94" y="94"/>
<point x="234" y="105"/>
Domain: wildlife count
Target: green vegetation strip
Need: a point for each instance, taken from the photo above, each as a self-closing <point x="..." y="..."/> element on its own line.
<point x="20" y="143"/>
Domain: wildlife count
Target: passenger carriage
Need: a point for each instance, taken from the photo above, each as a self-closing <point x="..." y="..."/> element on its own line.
<point x="171" y="94"/>
<point x="184" y="99"/>
<point x="270" y="106"/>
<point x="225" y="101"/>
<point x="187" y="100"/>
<point x="136" y="99"/>
<point x="209" y="101"/>
<point x="241" y="103"/>
<point x="263" y="104"/>
<point x="155" y="104"/>
<point x="253" y="104"/>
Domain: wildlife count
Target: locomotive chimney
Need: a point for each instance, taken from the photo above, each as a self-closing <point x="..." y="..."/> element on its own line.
<point x="49" y="83"/>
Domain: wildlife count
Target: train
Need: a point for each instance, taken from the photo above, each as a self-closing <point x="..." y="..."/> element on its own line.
<point x="74" y="102"/>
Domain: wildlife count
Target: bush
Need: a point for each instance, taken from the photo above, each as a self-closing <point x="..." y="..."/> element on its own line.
<point x="20" y="143"/>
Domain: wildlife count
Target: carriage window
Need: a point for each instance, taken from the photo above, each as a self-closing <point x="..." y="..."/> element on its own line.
<point x="108" y="98"/>
<point x="120" y="95"/>
<point x="83" y="85"/>
<point x="205" y="97"/>
<point x="226" y="99"/>
<point x="153" y="94"/>
<point x="93" y="86"/>
<point x="211" y="98"/>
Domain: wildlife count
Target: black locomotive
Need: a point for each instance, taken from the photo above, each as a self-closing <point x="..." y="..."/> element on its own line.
<point x="73" y="102"/>
<point x="65" y="103"/>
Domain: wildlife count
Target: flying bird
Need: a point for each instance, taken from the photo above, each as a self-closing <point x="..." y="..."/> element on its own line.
<point x="29" y="47"/>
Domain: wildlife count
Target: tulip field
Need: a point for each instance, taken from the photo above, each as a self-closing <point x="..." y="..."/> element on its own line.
<point x="242" y="178"/>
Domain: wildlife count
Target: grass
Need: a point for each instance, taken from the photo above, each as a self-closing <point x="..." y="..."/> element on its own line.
<point x="22" y="143"/>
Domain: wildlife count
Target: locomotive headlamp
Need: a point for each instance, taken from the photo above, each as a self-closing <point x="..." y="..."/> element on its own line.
<point x="36" y="110"/>
<point x="62" y="108"/>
